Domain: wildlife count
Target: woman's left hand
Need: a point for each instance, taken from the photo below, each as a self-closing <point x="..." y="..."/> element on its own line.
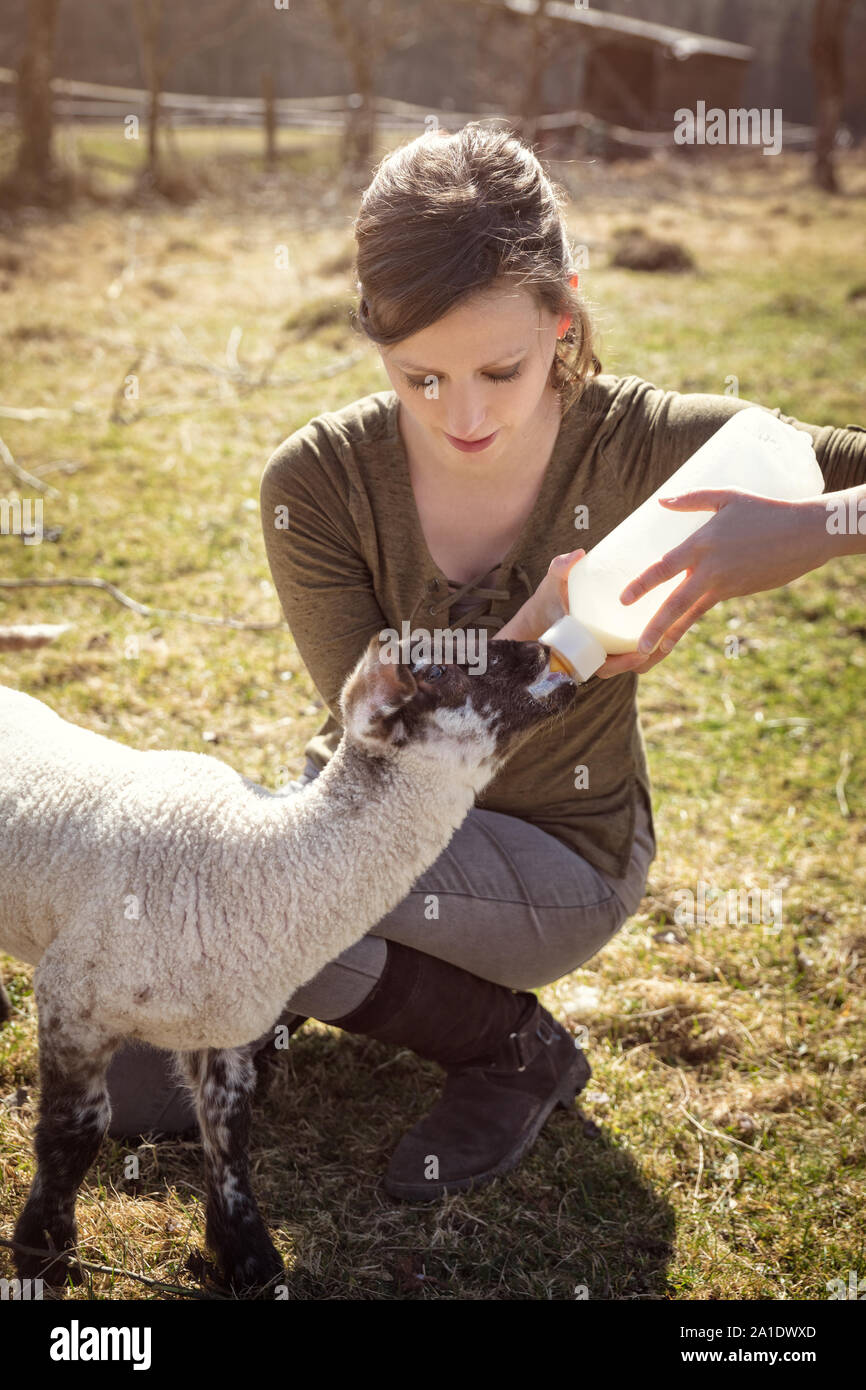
<point x="751" y="544"/>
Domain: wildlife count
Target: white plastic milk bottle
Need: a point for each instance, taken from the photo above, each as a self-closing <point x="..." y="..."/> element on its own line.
<point x="754" y="451"/>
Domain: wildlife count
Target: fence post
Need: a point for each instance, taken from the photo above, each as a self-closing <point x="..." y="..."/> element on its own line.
<point x="270" y="118"/>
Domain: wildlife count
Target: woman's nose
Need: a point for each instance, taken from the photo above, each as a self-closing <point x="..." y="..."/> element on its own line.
<point x="465" y="417"/>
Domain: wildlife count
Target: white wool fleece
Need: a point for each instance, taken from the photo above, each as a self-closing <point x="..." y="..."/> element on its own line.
<point x="171" y="899"/>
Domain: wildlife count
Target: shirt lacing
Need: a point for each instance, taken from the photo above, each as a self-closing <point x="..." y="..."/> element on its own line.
<point x="473" y="589"/>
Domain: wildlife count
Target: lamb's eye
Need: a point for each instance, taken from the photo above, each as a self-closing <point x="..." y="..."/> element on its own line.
<point x="434" y="672"/>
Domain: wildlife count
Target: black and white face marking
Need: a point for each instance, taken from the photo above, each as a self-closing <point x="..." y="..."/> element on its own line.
<point x="391" y="704"/>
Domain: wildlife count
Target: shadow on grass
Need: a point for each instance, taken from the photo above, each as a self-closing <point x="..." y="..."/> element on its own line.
<point x="576" y="1219"/>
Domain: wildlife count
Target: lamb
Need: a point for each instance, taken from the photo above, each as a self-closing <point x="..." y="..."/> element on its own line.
<point x="165" y="897"/>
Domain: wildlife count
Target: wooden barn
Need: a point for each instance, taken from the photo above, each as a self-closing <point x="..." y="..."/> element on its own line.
<point x="631" y="72"/>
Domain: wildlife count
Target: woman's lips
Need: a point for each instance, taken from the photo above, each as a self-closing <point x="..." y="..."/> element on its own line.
<point x="472" y="446"/>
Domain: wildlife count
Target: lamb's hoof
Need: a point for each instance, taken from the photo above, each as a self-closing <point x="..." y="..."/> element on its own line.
<point x="5" y="1007"/>
<point x="53" y="1272"/>
<point x="70" y="1273"/>
<point x="253" y="1274"/>
<point x="56" y="1270"/>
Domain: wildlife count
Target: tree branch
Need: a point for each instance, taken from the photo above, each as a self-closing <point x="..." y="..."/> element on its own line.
<point x="21" y="476"/>
<point x="144" y="610"/>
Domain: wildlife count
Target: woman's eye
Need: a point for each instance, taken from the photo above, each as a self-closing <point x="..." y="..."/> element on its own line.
<point x="426" y="381"/>
<point x="434" y="672"/>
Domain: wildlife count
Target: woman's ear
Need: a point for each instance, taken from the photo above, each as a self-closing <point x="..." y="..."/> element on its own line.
<point x="565" y="322"/>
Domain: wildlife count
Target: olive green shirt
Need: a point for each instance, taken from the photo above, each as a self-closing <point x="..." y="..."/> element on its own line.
<point x="348" y="557"/>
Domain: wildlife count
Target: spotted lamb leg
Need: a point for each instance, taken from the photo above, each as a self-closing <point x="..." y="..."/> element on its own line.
<point x="74" y="1112"/>
<point x="224" y="1081"/>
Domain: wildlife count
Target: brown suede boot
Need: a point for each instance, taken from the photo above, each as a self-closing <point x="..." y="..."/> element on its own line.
<point x="508" y="1063"/>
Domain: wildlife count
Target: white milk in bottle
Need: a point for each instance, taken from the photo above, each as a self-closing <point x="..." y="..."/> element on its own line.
<point x="753" y="451"/>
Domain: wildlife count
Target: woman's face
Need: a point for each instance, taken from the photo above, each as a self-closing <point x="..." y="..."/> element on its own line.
<point x="479" y="375"/>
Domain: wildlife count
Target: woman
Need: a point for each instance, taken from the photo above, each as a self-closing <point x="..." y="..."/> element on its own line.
<point x="441" y="503"/>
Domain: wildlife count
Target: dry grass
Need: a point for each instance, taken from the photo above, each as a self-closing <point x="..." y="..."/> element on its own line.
<point x="719" y="1151"/>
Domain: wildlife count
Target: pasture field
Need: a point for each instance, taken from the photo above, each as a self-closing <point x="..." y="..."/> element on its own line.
<point x="719" y="1151"/>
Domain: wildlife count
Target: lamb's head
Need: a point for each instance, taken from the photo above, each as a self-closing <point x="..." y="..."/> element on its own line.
<point x="452" y="713"/>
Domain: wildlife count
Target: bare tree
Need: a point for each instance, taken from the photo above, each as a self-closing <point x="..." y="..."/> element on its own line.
<point x="828" y="28"/>
<point x="355" y="38"/>
<point x="270" y="117"/>
<point x="225" y="19"/>
<point x="366" y="33"/>
<point x="35" y="159"/>
<point x="541" y="49"/>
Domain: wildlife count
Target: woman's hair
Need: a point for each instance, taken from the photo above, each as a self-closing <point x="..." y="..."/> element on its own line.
<point x="445" y="217"/>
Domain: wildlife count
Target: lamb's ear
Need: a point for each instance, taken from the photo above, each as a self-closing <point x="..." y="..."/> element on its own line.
<point x="378" y="688"/>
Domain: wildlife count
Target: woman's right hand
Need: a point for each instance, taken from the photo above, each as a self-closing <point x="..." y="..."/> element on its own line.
<point x="547" y="604"/>
<point x="554" y="586"/>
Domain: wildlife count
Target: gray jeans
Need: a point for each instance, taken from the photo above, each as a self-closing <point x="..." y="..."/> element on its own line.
<point x="504" y="900"/>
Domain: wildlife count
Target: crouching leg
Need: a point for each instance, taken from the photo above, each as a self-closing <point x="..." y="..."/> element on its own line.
<point x="223" y="1081"/>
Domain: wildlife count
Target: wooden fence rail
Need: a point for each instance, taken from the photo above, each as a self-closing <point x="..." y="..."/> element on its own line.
<point x="100" y="102"/>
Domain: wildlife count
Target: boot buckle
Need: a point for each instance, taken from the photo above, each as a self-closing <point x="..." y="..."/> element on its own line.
<point x="523" y="1049"/>
<point x="523" y="1056"/>
<point x="546" y="1031"/>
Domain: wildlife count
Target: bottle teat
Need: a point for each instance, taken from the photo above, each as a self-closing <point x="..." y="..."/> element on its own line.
<point x="574" y="649"/>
